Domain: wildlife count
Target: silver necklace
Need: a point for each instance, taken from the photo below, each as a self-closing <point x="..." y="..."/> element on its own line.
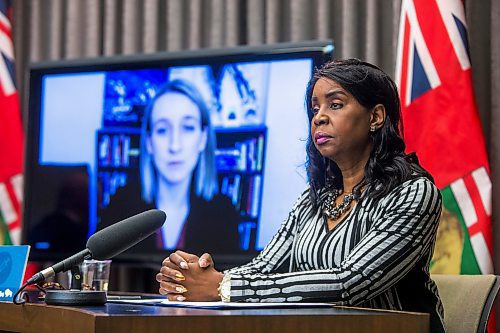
<point x="334" y="211"/>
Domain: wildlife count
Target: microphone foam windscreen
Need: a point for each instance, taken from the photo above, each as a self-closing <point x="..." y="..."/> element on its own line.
<point x="118" y="237"/>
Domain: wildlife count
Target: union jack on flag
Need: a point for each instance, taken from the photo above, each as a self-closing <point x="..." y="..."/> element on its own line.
<point x="442" y="125"/>
<point x="11" y="136"/>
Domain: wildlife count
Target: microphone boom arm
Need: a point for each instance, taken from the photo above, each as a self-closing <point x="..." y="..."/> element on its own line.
<point x="61" y="266"/>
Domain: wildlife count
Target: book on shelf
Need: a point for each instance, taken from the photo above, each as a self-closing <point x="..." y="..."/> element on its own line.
<point x="244" y="192"/>
<point x="245" y="230"/>
<point x="244" y="156"/>
<point x="111" y="181"/>
<point x="118" y="150"/>
<point x="236" y="191"/>
<point x="255" y="202"/>
<point x="260" y="152"/>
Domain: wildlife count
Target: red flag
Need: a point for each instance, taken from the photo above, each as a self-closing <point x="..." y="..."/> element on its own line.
<point x="11" y="136"/>
<point x="442" y="125"/>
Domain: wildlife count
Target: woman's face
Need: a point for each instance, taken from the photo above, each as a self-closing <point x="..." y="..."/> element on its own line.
<point x="340" y="127"/>
<point x="176" y="138"/>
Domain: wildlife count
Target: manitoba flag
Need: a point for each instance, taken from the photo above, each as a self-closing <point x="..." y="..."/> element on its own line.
<point x="11" y="136"/>
<point x="442" y="125"/>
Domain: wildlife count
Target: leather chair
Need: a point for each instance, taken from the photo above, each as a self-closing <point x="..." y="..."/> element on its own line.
<point x="467" y="300"/>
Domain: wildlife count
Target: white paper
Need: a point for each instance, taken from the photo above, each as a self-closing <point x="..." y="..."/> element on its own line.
<point x="234" y="305"/>
<point x="146" y="301"/>
<point x="219" y="305"/>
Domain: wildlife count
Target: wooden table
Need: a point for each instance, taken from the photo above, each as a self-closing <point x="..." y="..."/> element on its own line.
<point x="41" y="318"/>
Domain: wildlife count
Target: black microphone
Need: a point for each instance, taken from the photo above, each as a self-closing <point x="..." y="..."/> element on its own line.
<point x="109" y="242"/>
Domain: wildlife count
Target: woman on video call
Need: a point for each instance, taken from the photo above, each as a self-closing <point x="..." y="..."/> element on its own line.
<point x="178" y="175"/>
<point x="361" y="234"/>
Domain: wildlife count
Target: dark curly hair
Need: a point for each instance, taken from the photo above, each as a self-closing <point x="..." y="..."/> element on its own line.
<point x="388" y="165"/>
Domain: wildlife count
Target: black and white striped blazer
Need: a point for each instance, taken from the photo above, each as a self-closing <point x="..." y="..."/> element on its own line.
<point x="377" y="257"/>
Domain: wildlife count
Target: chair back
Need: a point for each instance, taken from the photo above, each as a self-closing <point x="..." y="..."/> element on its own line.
<point x="467" y="300"/>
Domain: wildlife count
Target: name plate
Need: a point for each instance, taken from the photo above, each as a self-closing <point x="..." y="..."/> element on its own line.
<point x="13" y="260"/>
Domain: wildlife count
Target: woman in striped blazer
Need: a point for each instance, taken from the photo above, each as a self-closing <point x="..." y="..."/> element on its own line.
<point x="363" y="231"/>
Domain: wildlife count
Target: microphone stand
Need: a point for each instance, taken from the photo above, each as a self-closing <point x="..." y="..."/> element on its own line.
<point x="76" y="278"/>
<point x="73" y="297"/>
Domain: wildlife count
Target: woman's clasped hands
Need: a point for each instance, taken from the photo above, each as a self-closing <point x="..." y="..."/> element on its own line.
<point x="187" y="277"/>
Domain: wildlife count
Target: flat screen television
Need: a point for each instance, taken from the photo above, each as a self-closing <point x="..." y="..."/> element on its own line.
<point x="215" y="138"/>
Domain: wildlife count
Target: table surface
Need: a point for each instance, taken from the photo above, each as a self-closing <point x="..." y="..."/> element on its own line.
<point x="117" y="317"/>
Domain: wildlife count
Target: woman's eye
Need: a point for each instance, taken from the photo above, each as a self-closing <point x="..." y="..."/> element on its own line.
<point x="315" y="110"/>
<point x="161" y="130"/>
<point x="189" y="128"/>
<point x="335" y="106"/>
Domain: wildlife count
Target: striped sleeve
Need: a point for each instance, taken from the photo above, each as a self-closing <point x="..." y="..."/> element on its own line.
<point x="402" y="233"/>
<point x="279" y="248"/>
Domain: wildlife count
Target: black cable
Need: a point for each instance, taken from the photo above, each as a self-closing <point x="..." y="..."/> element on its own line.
<point x="19" y="292"/>
<point x="14" y="299"/>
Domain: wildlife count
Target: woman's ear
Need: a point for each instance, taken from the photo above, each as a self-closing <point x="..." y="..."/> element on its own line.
<point x="377" y="117"/>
